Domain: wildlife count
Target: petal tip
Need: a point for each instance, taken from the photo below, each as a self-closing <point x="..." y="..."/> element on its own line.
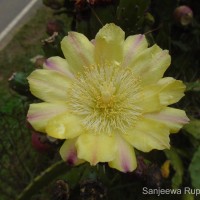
<point x="72" y="158"/>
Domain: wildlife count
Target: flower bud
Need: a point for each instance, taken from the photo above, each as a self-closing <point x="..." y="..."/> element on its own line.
<point x="19" y="83"/>
<point x="92" y="189"/>
<point x="183" y="15"/>
<point x="153" y="176"/>
<point x="61" y="190"/>
<point x="53" y="26"/>
<point x="149" y="19"/>
<point x="38" y="61"/>
<point x="51" y="45"/>
<point x="39" y="142"/>
<point x="141" y="167"/>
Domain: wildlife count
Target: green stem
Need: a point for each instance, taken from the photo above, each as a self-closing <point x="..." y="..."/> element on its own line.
<point x="43" y="179"/>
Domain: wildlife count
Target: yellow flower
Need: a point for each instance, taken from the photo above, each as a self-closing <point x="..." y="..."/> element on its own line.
<point x="106" y="98"/>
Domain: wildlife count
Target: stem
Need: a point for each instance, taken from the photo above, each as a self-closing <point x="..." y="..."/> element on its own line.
<point x="95" y="14"/>
<point x="43" y="179"/>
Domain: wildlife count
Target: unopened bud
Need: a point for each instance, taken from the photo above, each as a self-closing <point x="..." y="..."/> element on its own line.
<point x="53" y="26"/>
<point x="38" y="61"/>
<point x="51" y="45"/>
<point x="61" y="190"/>
<point x="19" y="83"/>
<point x="39" y="142"/>
<point x="92" y="189"/>
<point x="183" y="15"/>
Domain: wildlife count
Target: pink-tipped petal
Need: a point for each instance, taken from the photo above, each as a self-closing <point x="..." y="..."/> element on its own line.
<point x="49" y="85"/>
<point x="40" y="113"/>
<point x="125" y="160"/>
<point x="58" y="64"/>
<point x="151" y="64"/>
<point x="68" y="152"/>
<point x="96" y="148"/>
<point x="171" y="117"/>
<point x="133" y="45"/>
<point x="78" y="51"/>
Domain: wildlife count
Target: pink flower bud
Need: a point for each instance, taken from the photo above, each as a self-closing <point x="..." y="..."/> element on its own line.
<point x="53" y="26"/>
<point x="39" y="142"/>
<point x="183" y="15"/>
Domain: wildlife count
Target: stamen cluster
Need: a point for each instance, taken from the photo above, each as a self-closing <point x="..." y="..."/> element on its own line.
<point x="104" y="96"/>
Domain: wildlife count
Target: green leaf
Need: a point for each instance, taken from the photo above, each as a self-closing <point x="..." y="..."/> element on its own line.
<point x="193" y="128"/>
<point x="194" y="169"/>
<point x="177" y="165"/>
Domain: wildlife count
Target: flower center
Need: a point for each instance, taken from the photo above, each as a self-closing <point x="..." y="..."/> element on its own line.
<point x="105" y="98"/>
<point x="107" y="95"/>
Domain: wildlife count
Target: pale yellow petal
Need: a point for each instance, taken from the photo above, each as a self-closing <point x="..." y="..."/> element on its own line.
<point x="58" y="64"/>
<point x="68" y="152"/>
<point x="148" y="135"/>
<point x="64" y="126"/>
<point x="78" y="51"/>
<point x="149" y="99"/>
<point x="151" y="64"/>
<point x="109" y="44"/>
<point x="171" y="117"/>
<point x="133" y="46"/>
<point x="155" y="97"/>
<point x="48" y="85"/>
<point x="125" y="160"/>
<point x="39" y="114"/>
<point x="171" y="90"/>
<point x="96" y="148"/>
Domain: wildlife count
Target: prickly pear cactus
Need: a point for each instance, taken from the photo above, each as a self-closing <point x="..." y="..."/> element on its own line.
<point x="34" y="162"/>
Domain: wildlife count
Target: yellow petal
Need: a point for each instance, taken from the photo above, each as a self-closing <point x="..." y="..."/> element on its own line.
<point x="109" y="44"/>
<point x="78" y="50"/>
<point x="133" y="45"/>
<point x="58" y="64"/>
<point x="40" y="113"/>
<point x="96" y="148"/>
<point x="171" y="117"/>
<point x="125" y="160"/>
<point x="148" y="135"/>
<point x="149" y="99"/>
<point x="68" y="152"/>
<point x="48" y="85"/>
<point x="64" y="126"/>
<point x="151" y="64"/>
<point x="155" y="97"/>
<point x="172" y="90"/>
